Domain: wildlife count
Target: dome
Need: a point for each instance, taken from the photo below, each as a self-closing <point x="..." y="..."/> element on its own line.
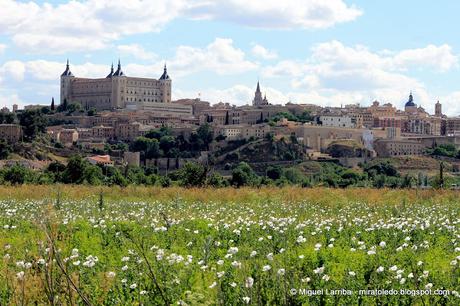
<point x="410" y="102"/>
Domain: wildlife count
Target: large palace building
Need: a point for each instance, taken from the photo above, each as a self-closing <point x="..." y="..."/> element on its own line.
<point x="116" y="91"/>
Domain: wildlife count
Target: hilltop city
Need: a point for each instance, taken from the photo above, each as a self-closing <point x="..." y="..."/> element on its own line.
<point x="125" y="123"/>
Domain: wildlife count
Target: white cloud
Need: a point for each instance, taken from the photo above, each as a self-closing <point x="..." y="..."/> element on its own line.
<point x="451" y="103"/>
<point x="241" y="95"/>
<point x="440" y="58"/>
<point x="137" y="51"/>
<point x="2" y="48"/>
<point x="356" y="74"/>
<point x="95" y="24"/>
<point x="85" y="25"/>
<point x="275" y="14"/>
<point x="264" y="53"/>
<point x="220" y="56"/>
<point x="13" y="69"/>
<point x="41" y="70"/>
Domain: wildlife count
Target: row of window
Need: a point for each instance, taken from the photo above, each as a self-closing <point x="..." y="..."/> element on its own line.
<point x="131" y="99"/>
<point x="148" y="93"/>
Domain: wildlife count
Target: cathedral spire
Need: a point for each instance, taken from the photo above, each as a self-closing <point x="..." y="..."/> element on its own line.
<point x="258" y="100"/>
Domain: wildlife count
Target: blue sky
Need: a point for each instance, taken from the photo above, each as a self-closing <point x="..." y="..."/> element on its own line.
<point x="306" y="51"/>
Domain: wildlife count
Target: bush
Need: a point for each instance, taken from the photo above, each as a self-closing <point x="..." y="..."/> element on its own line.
<point x="193" y="175"/>
<point x="243" y="175"/>
<point x="217" y="181"/>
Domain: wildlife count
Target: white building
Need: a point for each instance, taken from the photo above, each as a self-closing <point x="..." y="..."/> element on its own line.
<point x="337" y="121"/>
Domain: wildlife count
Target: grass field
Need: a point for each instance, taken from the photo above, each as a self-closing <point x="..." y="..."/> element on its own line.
<point x="64" y="245"/>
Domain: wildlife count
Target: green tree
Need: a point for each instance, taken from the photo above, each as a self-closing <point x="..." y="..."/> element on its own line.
<point x="74" y="172"/>
<point x="383" y="167"/>
<point x="18" y="174"/>
<point x="33" y="123"/>
<point x="293" y="175"/>
<point x="448" y="150"/>
<point x="217" y="181"/>
<point x="92" y="111"/>
<point x="114" y="176"/>
<point x="158" y="133"/>
<point x="206" y="135"/>
<point x="7" y="118"/>
<point x="166" y="144"/>
<point x="150" y="148"/>
<point x="73" y="107"/>
<point x="243" y="175"/>
<point x="193" y="175"/>
<point x="92" y="174"/>
<point x="56" y="169"/>
<point x="5" y="149"/>
<point x="63" y="107"/>
<point x="136" y="175"/>
<point x="274" y="172"/>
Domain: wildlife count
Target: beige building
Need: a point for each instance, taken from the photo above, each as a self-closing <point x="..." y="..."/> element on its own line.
<point x="114" y="91"/>
<point x="127" y="131"/>
<point x="398" y="147"/>
<point x="452" y="125"/>
<point x="337" y="121"/>
<point x="102" y="160"/>
<point x="67" y="136"/>
<point x="103" y="132"/>
<point x="197" y="105"/>
<point x="385" y="110"/>
<point x="162" y="109"/>
<point x="318" y="138"/>
<point x="10" y="132"/>
<point x="423" y="125"/>
<point x="242" y="131"/>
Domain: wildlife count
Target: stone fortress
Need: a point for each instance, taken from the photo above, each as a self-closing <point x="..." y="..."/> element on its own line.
<point x="115" y="91"/>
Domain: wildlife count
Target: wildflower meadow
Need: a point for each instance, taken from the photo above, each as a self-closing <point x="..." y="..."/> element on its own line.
<point x="287" y="246"/>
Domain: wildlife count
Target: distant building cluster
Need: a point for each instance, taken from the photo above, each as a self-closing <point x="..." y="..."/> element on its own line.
<point x="129" y="107"/>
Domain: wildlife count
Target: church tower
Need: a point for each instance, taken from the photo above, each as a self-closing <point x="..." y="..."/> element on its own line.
<point x="165" y="85"/>
<point x="118" y="87"/>
<point x="438" y="109"/>
<point x="258" y="100"/>
<point x="66" y="87"/>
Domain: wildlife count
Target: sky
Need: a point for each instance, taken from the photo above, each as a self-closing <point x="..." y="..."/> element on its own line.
<point x="330" y="53"/>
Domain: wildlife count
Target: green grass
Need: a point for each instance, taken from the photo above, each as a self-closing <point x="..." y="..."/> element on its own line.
<point x="178" y="242"/>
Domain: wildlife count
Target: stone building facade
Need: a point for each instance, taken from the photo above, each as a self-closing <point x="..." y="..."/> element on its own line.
<point x="10" y="132"/>
<point x="114" y="91"/>
<point x="398" y="147"/>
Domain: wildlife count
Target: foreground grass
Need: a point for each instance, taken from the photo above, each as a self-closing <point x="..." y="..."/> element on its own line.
<point x="287" y="194"/>
<point x="80" y="245"/>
